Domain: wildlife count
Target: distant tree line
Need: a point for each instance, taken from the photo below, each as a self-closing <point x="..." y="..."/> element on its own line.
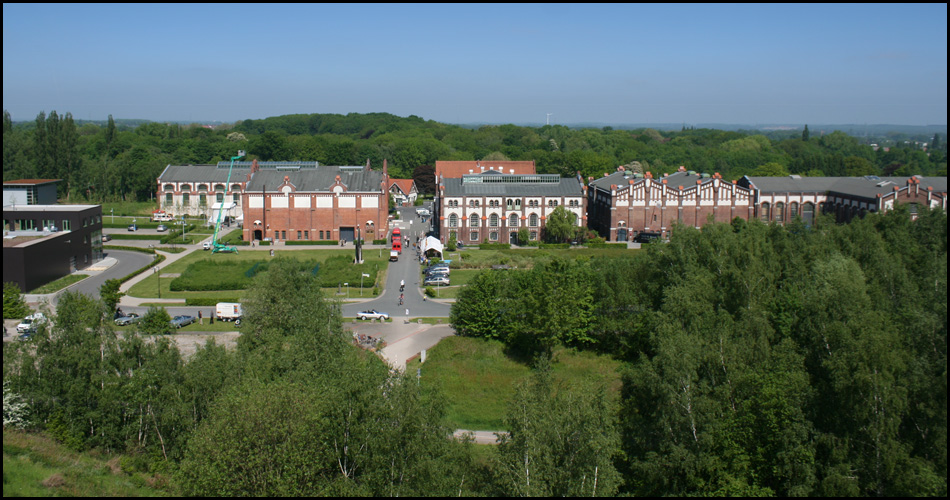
<point x="111" y="162"/>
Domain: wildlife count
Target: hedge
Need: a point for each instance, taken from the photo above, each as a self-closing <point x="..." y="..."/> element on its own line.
<point x="494" y="246"/>
<point x="197" y="301"/>
<point x="554" y="245"/>
<point x="381" y="242"/>
<point x="606" y="245"/>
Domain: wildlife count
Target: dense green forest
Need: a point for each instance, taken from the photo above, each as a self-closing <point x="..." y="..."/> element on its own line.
<point x="760" y="360"/>
<point x="113" y="162"/>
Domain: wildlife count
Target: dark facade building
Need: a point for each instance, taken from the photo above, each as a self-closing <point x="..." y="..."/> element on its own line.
<point x="30" y="192"/>
<point x="42" y="243"/>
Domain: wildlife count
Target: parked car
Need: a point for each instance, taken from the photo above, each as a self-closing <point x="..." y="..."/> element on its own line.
<point x="438" y="280"/>
<point x="443" y="269"/>
<point x="372" y="314"/>
<point x="434" y="275"/>
<point x="133" y="227"/>
<point x="180" y="321"/>
<point x="128" y="319"/>
<point x="29" y="323"/>
<point x="646" y="237"/>
<point x="161" y="228"/>
<point x="106" y="237"/>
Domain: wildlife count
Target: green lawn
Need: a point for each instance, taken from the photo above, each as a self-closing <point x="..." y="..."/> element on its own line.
<point x="57" y="285"/>
<point x="477" y="379"/>
<point x="36" y="466"/>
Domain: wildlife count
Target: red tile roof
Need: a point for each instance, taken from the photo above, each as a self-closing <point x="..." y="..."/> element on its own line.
<point x="404" y="185"/>
<point x="456" y="169"/>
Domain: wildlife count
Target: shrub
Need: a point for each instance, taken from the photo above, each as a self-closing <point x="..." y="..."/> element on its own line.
<point x="155" y="322"/>
<point x="198" y="301"/>
<point x="13" y="304"/>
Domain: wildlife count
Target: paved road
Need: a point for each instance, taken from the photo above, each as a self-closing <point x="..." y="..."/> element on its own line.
<point x="408" y="269"/>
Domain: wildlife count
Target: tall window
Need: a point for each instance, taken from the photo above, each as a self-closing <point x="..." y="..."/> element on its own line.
<point x="779" y="212"/>
<point x="533" y="220"/>
<point x="453" y="220"/>
<point x="219" y="197"/>
<point x="185" y="199"/>
<point x="765" y="213"/>
<point x="168" y="198"/>
<point x="473" y="236"/>
<point x="808" y="213"/>
<point x="493" y="220"/>
<point x="236" y="198"/>
<point x="473" y="221"/>
<point x="202" y="200"/>
<point x="792" y="210"/>
<point x="513" y="220"/>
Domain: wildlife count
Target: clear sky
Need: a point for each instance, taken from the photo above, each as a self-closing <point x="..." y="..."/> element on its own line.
<point x="494" y="63"/>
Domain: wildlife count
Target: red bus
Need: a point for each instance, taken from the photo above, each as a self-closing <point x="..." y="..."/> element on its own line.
<point x="397" y="240"/>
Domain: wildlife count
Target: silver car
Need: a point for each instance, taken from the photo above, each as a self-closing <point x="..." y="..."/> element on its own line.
<point x="128" y="319"/>
<point x="183" y="320"/>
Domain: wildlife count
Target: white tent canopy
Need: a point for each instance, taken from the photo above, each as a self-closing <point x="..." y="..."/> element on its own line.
<point x="432" y="243"/>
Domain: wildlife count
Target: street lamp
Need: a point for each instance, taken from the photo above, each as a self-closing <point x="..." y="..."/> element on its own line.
<point x="159" y="277"/>
<point x="112" y="212"/>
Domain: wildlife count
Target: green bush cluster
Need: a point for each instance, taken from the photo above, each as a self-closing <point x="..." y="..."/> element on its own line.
<point x="495" y="246"/>
<point x="200" y="301"/>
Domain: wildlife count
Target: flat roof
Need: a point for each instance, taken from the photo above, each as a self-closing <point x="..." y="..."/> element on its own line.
<point x="29" y="182"/>
<point x="47" y="208"/>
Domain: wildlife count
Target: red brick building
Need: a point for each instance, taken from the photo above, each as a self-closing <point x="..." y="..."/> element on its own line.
<point x="456" y="169"/>
<point x="316" y="203"/>
<point x="623" y="204"/>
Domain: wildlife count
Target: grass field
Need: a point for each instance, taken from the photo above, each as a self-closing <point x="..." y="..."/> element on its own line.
<point x="36" y="466"/>
<point x="57" y="285"/>
<point x="478" y="379"/>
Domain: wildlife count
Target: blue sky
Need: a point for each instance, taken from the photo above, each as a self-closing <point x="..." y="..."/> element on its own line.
<point x="492" y="63"/>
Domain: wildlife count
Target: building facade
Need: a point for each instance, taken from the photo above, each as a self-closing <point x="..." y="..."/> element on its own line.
<point x="310" y="202"/>
<point x="780" y="199"/>
<point x="624" y="204"/>
<point x="492" y="206"/>
<point x="30" y="192"/>
<point x="42" y="243"/>
<point x="195" y="190"/>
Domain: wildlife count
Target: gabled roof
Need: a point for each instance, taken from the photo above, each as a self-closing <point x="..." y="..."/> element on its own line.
<point x="868" y="186"/>
<point x="29" y="182"/>
<point x="202" y="173"/>
<point x="404" y="185"/>
<point x="456" y="169"/>
<point x="315" y="180"/>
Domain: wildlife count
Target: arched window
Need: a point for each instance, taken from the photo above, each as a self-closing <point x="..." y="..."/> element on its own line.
<point x="186" y="187"/>
<point x="792" y="210"/>
<point x="808" y="213"/>
<point x="493" y="221"/>
<point x="779" y="212"/>
<point x="453" y="220"/>
<point x="169" y="187"/>
<point x="533" y="220"/>
<point x="764" y="212"/>
<point x="235" y="187"/>
<point x="513" y="220"/>
<point x="473" y="220"/>
<point x="219" y="187"/>
<point x="202" y="187"/>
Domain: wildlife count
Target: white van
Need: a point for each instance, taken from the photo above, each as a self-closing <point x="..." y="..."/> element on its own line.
<point x="229" y="311"/>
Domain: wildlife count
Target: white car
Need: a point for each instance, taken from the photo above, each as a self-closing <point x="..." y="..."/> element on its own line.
<point x="29" y="323"/>
<point x="207" y="245"/>
<point x="372" y="314"/>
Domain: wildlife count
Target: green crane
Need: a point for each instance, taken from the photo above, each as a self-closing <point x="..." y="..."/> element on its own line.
<point x="215" y="246"/>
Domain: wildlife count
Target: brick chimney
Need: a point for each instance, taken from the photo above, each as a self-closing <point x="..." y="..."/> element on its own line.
<point x="385" y="167"/>
<point x="254" y="167"/>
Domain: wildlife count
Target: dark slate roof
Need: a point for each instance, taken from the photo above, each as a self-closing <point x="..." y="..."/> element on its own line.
<point x="496" y="184"/>
<point x="202" y="173"/>
<point x="319" y="179"/>
<point x="868" y="186"/>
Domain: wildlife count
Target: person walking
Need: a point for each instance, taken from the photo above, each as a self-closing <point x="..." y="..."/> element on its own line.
<point x="201" y="320"/>
<point x="407" y="312"/>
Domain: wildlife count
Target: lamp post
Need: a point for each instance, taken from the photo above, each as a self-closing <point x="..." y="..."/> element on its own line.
<point x="159" y="277"/>
<point x="112" y="212"/>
